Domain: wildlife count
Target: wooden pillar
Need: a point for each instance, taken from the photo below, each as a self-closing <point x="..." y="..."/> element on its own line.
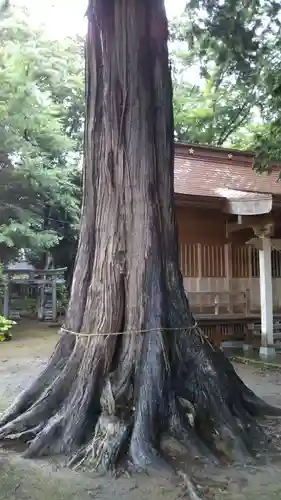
<point x="199" y="265"/>
<point x="7" y="299"/>
<point x="54" y="298"/>
<point x="41" y="302"/>
<point x="249" y="290"/>
<point x="228" y="274"/>
<point x="267" y="348"/>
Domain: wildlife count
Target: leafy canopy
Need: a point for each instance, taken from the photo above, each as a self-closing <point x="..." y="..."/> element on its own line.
<point x="235" y="47"/>
<point x="41" y="120"/>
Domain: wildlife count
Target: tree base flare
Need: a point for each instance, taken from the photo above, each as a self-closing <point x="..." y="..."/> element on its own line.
<point x="215" y="419"/>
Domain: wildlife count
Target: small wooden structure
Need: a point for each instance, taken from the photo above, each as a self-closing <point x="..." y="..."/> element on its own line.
<point x="229" y="220"/>
<point x="45" y="282"/>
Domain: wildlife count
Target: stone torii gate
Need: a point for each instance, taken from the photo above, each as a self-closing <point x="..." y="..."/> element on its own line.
<point x="40" y="278"/>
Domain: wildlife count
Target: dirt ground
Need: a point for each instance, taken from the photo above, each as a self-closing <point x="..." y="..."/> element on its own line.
<point x="23" y="357"/>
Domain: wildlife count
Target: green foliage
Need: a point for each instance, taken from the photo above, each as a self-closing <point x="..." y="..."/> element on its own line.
<point x="62" y="298"/>
<point x="213" y="109"/>
<point x="41" y="116"/>
<point x="211" y="114"/>
<point x="29" y="305"/>
<point x="236" y="100"/>
<point x="235" y="47"/>
<point x="5" y="328"/>
<point x="232" y="34"/>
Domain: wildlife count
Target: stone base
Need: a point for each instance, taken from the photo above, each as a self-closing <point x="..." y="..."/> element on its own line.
<point x="247" y="348"/>
<point x="267" y="353"/>
<point x="232" y="344"/>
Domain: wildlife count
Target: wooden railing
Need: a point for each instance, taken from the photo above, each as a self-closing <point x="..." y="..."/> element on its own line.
<point x="225" y="329"/>
<point x="225" y="260"/>
<point x="219" y="302"/>
<point x="254" y="336"/>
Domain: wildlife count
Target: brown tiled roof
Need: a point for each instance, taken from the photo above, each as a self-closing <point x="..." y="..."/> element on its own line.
<point x="221" y="173"/>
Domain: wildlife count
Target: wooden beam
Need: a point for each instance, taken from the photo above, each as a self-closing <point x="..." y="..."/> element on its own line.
<point x="234" y="226"/>
<point x="255" y="242"/>
<point x="36" y="272"/>
<point x="251" y="221"/>
<point x="276" y="244"/>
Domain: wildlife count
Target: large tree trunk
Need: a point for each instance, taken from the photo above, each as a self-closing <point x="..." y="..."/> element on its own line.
<point x="105" y="395"/>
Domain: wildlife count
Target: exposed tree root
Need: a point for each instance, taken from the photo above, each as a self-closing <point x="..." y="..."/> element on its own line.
<point x="110" y="439"/>
<point x="191" y="490"/>
<point x="182" y="429"/>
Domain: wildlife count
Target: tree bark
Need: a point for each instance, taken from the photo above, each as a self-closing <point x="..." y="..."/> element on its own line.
<point x="108" y="395"/>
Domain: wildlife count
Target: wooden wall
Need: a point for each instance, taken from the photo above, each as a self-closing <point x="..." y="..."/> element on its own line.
<point x="211" y="261"/>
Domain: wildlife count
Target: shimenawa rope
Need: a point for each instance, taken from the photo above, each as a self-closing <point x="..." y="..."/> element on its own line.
<point x="63" y="329"/>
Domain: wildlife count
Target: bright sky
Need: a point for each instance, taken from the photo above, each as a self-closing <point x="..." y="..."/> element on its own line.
<point x="64" y="17"/>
